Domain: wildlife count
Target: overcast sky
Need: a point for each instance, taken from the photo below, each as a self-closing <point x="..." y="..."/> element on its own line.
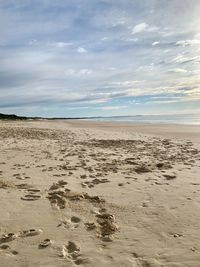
<point x="99" y="57"/>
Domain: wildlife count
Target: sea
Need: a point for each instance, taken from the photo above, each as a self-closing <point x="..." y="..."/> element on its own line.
<point x="191" y="119"/>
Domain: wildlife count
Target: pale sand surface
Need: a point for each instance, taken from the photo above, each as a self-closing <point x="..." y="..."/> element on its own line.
<point x="99" y="194"/>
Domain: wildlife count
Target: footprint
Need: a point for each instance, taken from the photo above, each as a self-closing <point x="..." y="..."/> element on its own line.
<point x="59" y="184"/>
<point x="106" y="226"/>
<point x="169" y="176"/>
<point x="62" y="183"/>
<point x="72" y="251"/>
<point x="75" y="219"/>
<point x="21" y="177"/>
<point x="84" y="185"/>
<point x="83" y="176"/>
<point x="73" y="223"/>
<point x="14" y="252"/>
<point x="16" y="174"/>
<point x="8" y="237"/>
<point x="57" y="200"/>
<point x="30" y="232"/>
<point x="90" y="226"/>
<point x="33" y="190"/>
<point x="7" y="248"/>
<point x="23" y="186"/>
<point x="45" y="243"/>
<point x="4" y="247"/>
<point x="31" y="197"/>
<point x="72" y="247"/>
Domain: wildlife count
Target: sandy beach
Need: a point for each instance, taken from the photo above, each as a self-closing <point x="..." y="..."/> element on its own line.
<point x="98" y="194"/>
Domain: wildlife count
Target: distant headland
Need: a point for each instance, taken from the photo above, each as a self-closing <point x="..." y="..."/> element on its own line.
<point x="16" y="117"/>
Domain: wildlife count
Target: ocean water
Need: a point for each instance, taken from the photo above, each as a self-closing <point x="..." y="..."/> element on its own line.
<point x="193" y="119"/>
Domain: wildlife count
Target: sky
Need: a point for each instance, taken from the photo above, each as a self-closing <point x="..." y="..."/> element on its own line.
<point x="72" y="58"/>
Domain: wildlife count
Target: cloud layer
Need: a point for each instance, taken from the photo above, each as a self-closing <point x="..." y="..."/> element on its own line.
<point x="100" y="57"/>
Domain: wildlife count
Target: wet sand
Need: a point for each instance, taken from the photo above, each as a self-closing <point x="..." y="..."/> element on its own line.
<point x="99" y="194"/>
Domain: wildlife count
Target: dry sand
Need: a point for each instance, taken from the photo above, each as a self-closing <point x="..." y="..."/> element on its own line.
<point x="99" y="194"/>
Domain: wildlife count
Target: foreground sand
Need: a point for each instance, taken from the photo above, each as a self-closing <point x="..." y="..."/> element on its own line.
<point x="99" y="194"/>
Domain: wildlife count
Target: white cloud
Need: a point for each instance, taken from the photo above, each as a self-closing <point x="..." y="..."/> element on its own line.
<point x="99" y="100"/>
<point x="179" y="70"/>
<point x="149" y="67"/>
<point x="77" y="108"/>
<point x="81" y="50"/>
<point x="139" y="28"/>
<point x="165" y="101"/>
<point x="144" y="27"/>
<point x="183" y="59"/>
<point x="61" y="44"/>
<point x="185" y="98"/>
<point x="131" y="40"/>
<point x="112" y="107"/>
<point x="155" y="43"/>
<point x="118" y="22"/>
<point x="167" y="33"/>
<point x="185" y="43"/>
<point x="33" y="42"/>
<point x="125" y="83"/>
<point x="179" y="59"/>
<point x="69" y="72"/>
<point x="79" y="72"/>
<point x="104" y="38"/>
<point x="85" y="72"/>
